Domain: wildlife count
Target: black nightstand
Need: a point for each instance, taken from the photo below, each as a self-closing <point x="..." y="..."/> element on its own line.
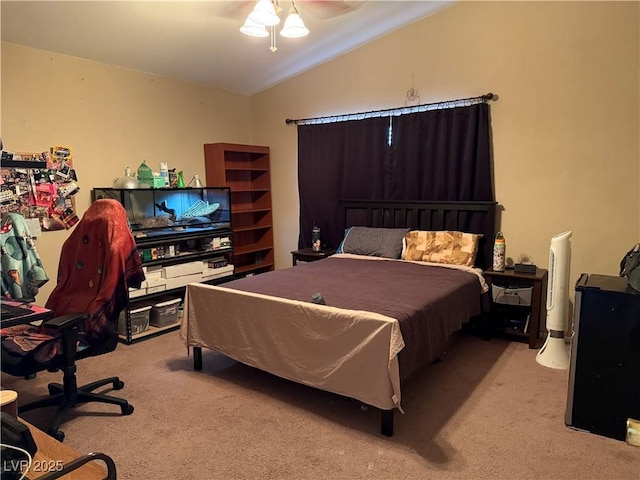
<point x="308" y="255"/>
<point x="536" y="310"/>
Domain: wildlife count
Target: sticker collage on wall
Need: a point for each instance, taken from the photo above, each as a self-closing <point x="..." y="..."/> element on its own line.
<point x="43" y="191"/>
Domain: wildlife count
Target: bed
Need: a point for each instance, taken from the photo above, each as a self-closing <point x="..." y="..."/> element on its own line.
<point x="385" y="315"/>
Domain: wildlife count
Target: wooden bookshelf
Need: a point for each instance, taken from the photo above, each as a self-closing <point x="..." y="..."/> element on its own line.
<point x="245" y="169"/>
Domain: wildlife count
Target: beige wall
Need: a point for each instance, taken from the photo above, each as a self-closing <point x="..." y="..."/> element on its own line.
<point x="566" y="127"/>
<point x="112" y="118"/>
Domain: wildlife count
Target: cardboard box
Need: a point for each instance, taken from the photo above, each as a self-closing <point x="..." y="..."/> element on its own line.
<point x="217" y="262"/>
<point x="138" y="292"/>
<point x="153" y="271"/>
<point x="221" y="242"/>
<point x="214" y="273"/>
<point x="156" y="285"/>
<point x="182" y="281"/>
<point x="182" y="269"/>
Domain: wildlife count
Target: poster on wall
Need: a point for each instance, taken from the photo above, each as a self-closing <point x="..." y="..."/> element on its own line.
<point x="40" y="186"/>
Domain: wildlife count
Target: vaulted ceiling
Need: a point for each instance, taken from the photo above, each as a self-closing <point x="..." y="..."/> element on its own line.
<point x="200" y="41"/>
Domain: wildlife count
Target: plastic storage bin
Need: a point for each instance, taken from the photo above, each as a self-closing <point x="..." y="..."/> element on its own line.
<point x="139" y="320"/>
<point x="511" y="295"/>
<point x="165" y="312"/>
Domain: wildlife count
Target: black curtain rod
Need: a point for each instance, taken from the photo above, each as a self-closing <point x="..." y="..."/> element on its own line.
<point x="394" y="111"/>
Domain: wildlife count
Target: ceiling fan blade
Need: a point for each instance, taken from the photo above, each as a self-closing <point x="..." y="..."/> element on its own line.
<point x="233" y="9"/>
<point x="328" y="8"/>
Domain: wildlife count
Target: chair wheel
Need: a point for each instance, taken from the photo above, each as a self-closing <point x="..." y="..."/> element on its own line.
<point x="118" y="385"/>
<point x="127" y="409"/>
<point x="53" y="390"/>
<point x="57" y="434"/>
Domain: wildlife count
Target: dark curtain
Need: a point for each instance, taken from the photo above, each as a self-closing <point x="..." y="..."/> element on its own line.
<point x="338" y="161"/>
<point x="434" y="155"/>
<point x="442" y="155"/>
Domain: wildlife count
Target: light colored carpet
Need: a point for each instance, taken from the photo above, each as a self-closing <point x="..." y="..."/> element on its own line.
<point x="486" y="411"/>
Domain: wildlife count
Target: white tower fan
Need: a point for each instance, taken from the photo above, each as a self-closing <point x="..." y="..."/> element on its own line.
<point x="555" y="353"/>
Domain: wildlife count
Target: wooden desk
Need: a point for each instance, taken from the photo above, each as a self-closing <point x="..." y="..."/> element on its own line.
<point x="52" y="455"/>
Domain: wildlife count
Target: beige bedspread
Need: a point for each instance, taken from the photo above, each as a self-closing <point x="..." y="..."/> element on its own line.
<point x="348" y="352"/>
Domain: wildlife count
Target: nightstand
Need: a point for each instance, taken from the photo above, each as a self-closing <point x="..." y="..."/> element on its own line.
<point x="525" y="320"/>
<point x="308" y="255"/>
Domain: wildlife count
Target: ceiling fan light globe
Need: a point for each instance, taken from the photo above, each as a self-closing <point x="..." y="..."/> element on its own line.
<point x="294" y="27"/>
<point x="264" y="13"/>
<point x="254" y="29"/>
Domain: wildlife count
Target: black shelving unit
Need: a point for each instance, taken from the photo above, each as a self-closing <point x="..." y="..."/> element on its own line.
<point x="173" y="227"/>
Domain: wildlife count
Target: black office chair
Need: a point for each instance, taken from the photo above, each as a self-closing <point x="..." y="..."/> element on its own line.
<point x="98" y="263"/>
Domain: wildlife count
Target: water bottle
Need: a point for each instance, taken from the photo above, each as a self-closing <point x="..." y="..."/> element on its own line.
<point x="315" y="239"/>
<point x="499" y="253"/>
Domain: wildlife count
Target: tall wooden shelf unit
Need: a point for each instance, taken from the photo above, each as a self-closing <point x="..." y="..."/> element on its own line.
<point x="245" y="169"/>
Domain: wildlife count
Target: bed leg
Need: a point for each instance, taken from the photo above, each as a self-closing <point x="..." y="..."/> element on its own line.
<point x="197" y="358"/>
<point x="386" y="423"/>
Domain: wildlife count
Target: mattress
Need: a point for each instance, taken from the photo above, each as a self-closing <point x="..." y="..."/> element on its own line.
<point x="383" y="321"/>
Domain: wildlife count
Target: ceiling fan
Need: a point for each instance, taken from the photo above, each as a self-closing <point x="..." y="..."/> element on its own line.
<point x="319" y="8"/>
<point x="266" y="14"/>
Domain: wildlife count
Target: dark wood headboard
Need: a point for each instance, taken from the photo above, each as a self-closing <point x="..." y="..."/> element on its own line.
<point x="472" y="217"/>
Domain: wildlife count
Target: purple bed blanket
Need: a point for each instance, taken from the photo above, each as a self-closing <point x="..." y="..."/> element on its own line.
<point x="429" y="302"/>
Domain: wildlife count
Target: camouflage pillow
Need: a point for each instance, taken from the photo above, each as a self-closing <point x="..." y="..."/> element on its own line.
<point x="450" y="247"/>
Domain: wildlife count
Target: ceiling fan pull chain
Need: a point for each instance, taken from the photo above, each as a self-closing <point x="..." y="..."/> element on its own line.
<point x="273" y="46"/>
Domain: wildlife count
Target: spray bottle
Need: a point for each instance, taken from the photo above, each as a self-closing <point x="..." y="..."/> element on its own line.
<point x="499" y="253"/>
<point x="164" y="173"/>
